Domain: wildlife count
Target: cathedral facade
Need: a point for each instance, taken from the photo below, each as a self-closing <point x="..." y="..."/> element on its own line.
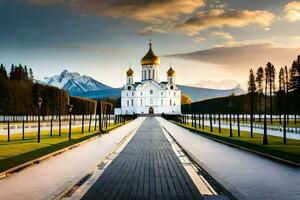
<point x="149" y="96"/>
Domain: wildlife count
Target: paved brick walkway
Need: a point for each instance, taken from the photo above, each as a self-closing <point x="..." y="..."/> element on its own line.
<point x="147" y="168"/>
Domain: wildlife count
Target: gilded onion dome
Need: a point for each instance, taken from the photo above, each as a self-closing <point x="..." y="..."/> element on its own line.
<point x="171" y="72"/>
<point x="150" y="58"/>
<point x="130" y="72"/>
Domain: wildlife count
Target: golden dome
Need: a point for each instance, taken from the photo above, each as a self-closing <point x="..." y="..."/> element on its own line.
<point x="171" y="72"/>
<point x="130" y="72"/>
<point x="150" y="58"/>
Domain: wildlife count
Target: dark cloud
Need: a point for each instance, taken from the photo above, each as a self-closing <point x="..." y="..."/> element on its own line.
<point x="142" y="10"/>
<point x="220" y="18"/>
<point x="244" y="57"/>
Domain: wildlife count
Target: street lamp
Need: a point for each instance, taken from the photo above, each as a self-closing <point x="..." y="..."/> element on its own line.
<point x="230" y="105"/>
<point x="39" y="101"/>
<point x="70" y="107"/>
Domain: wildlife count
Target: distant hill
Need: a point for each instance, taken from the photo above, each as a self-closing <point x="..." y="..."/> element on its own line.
<point x="85" y="86"/>
<point x="199" y="94"/>
<point x="75" y="83"/>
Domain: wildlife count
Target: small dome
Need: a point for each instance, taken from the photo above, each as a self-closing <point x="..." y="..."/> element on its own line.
<point x="150" y="58"/>
<point x="130" y="72"/>
<point x="171" y="72"/>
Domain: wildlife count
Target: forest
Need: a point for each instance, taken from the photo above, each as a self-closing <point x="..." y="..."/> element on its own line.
<point x="266" y="93"/>
<point x="19" y="94"/>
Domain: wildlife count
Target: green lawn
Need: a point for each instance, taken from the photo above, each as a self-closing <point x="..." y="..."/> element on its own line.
<point x="275" y="122"/>
<point x="290" y="151"/>
<point x="19" y="151"/>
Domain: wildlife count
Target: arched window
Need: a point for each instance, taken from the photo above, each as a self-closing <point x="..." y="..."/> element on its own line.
<point x="170" y="102"/>
<point x="174" y="94"/>
<point x="127" y="102"/>
<point x="153" y="74"/>
<point x="151" y="101"/>
<point x="131" y="102"/>
<point x="149" y="75"/>
<point x="162" y="102"/>
<point x="141" y="102"/>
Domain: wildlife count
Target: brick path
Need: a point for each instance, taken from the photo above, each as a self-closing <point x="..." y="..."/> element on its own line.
<point x="147" y="168"/>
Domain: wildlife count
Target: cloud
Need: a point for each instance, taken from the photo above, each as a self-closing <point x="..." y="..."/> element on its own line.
<point x="149" y="11"/>
<point x="199" y="39"/>
<point x="224" y="85"/>
<point x="241" y="58"/>
<point x="218" y="18"/>
<point x="224" y="35"/>
<point x="292" y="11"/>
<point x="150" y="29"/>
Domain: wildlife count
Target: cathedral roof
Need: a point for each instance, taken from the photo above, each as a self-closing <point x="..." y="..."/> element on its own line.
<point x="130" y="72"/>
<point x="150" y="58"/>
<point x="171" y="72"/>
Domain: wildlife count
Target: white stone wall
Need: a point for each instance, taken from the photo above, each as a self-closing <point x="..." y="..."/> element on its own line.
<point x="163" y="99"/>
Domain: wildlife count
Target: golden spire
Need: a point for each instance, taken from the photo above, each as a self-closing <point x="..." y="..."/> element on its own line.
<point x="150" y="58"/>
<point x="130" y="72"/>
<point x="171" y="72"/>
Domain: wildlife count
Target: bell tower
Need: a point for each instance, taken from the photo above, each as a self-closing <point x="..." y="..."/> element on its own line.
<point x="150" y="65"/>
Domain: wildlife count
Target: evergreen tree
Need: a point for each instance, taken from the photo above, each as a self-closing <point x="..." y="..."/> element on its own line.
<point x="12" y="71"/>
<point x="3" y="73"/>
<point x="251" y="91"/>
<point x="259" y="81"/>
<point x="26" y="73"/>
<point x="281" y="92"/>
<point x="270" y="76"/>
<point x="31" y="77"/>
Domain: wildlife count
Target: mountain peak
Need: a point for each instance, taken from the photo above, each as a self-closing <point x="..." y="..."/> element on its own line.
<point x="73" y="82"/>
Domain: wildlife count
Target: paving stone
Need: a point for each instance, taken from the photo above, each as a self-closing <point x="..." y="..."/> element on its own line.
<point x="147" y="168"/>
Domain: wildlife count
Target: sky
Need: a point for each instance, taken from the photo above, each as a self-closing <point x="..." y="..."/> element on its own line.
<point x="210" y="43"/>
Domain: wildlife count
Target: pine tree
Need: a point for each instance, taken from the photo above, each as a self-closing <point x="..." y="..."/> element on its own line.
<point x="251" y="91"/>
<point x="26" y="73"/>
<point x="281" y="91"/>
<point x="3" y="73"/>
<point x="12" y="72"/>
<point x="31" y="77"/>
<point x="259" y="81"/>
<point x="270" y="76"/>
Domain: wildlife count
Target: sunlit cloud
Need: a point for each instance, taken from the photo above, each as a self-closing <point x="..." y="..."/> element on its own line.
<point x="150" y="29"/>
<point x="224" y="84"/>
<point x="292" y="11"/>
<point x="224" y="35"/>
<point x="149" y="11"/>
<point x="199" y="39"/>
<point x="243" y="57"/>
<point x="218" y="18"/>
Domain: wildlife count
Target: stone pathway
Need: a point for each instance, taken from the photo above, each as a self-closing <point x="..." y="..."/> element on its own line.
<point x="147" y="168"/>
<point x="53" y="176"/>
<point x="245" y="175"/>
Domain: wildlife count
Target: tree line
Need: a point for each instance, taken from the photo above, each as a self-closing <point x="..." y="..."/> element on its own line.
<point x="19" y="94"/>
<point x="264" y="97"/>
<point x="261" y="86"/>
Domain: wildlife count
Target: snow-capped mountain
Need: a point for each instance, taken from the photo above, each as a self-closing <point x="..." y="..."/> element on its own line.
<point x="73" y="82"/>
<point x="85" y="86"/>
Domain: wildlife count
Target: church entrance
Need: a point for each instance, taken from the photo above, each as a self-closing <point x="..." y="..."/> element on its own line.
<point x="151" y="110"/>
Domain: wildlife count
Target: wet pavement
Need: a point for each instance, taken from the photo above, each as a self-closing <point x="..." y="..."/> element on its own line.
<point x="147" y="168"/>
<point x="246" y="175"/>
<point x="53" y="176"/>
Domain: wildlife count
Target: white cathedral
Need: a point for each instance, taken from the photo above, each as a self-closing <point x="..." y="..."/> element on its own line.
<point x="150" y="96"/>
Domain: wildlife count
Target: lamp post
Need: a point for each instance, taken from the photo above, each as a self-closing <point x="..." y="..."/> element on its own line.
<point x="230" y="105"/>
<point x="70" y="107"/>
<point x="39" y="101"/>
